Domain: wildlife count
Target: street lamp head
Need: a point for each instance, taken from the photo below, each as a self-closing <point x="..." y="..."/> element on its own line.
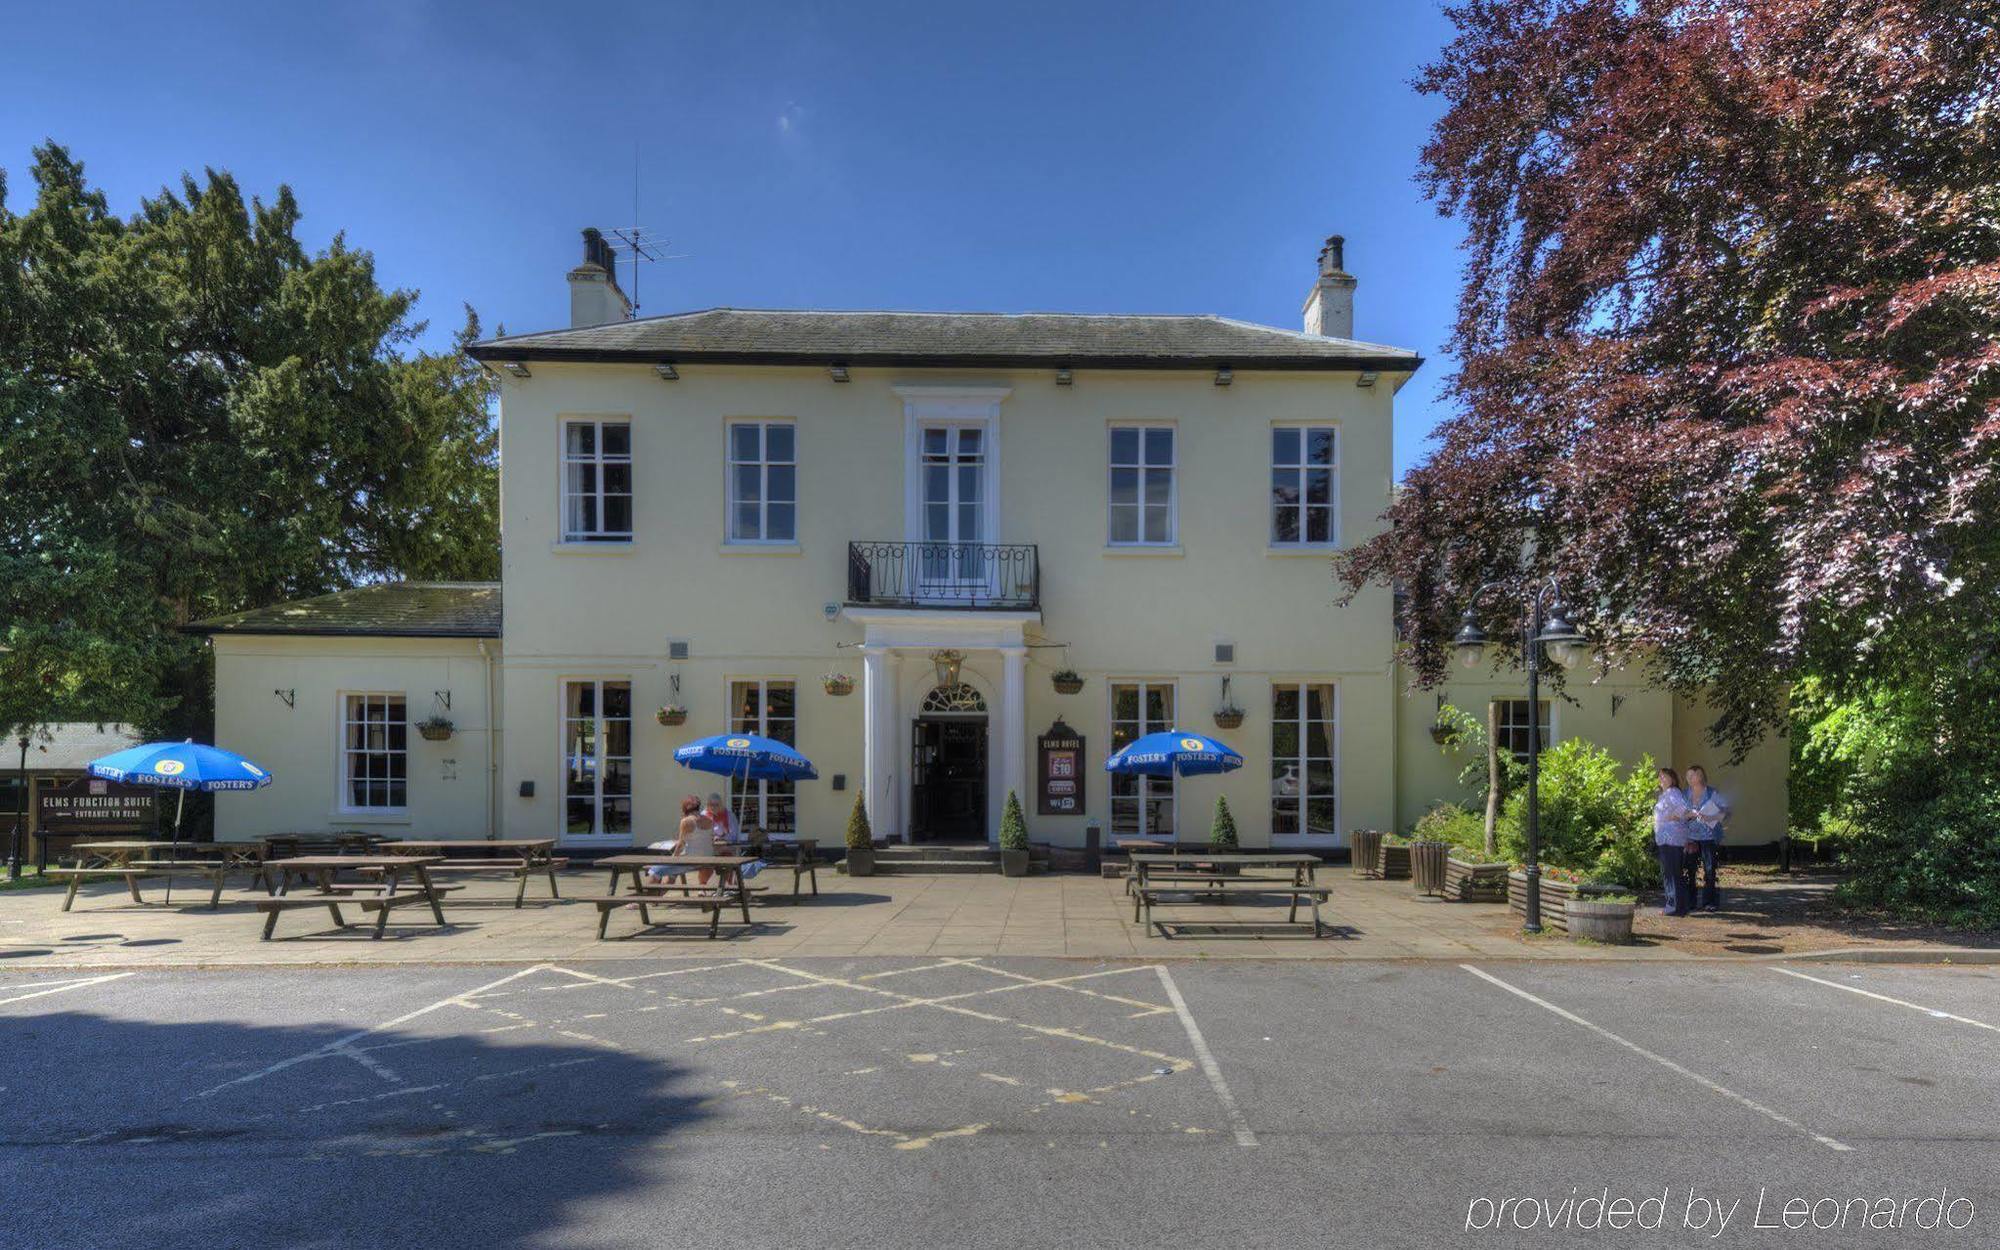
<point x="1470" y="641"/>
<point x="1567" y="647"/>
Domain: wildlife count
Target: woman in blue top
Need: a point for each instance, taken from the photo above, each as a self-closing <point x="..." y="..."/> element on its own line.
<point x="1710" y="811"/>
<point x="1670" y="838"/>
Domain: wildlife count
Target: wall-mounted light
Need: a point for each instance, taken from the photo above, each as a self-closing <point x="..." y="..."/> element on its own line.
<point x="1224" y="376"/>
<point x="518" y="368"/>
<point x="1064" y="377"/>
<point x="837" y="372"/>
<point x="1366" y="379"/>
<point x="667" y="372"/>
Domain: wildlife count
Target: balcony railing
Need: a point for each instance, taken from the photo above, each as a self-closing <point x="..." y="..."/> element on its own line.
<point x="992" y="576"/>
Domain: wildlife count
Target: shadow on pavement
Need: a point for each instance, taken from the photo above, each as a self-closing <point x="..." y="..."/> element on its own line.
<point x="122" y="1132"/>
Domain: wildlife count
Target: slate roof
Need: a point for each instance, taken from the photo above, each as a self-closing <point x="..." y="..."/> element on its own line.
<point x="778" y="337"/>
<point x="388" y="610"/>
<point x="70" y="746"/>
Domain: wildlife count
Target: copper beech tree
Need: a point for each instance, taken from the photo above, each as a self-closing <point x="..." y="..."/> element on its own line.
<point x="1728" y="367"/>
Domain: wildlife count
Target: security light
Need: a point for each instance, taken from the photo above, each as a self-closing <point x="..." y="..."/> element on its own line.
<point x="667" y="372"/>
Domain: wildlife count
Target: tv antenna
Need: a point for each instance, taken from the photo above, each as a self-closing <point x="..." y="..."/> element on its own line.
<point x="637" y="243"/>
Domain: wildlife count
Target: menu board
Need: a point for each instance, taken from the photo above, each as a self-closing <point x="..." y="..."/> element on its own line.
<point x="1060" y="773"/>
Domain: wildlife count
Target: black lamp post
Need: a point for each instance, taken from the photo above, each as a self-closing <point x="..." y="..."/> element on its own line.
<point x="20" y="815"/>
<point x="1547" y="626"/>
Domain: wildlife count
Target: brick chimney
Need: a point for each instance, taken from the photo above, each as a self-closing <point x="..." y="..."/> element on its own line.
<point x="1330" y="307"/>
<point x="594" y="297"/>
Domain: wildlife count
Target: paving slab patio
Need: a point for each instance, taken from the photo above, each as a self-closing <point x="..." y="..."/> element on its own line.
<point x="1073" y="916"/>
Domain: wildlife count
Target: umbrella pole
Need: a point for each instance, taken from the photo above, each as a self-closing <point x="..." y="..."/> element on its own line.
<point x="180" y="805"/>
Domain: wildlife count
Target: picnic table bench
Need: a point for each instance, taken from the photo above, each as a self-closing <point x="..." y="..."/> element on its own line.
<point x="522" y="857"/>
<point x="731" y="891"/>
<point x="1159" y="879"/>
<point x="799" y="855"/>
<point x="380" y="895"/>
<point x="132" y="859"/>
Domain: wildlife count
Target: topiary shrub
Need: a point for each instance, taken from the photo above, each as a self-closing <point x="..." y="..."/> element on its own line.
<point x="1222" y="829"/>
<point x="859" y="836"/>
<point x="1013" y="825"/>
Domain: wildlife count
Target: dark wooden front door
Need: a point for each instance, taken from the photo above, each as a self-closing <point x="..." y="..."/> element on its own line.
<point x="948" y="779"/>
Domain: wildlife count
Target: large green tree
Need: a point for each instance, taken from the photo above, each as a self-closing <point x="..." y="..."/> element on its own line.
<point x="197" y="416"/>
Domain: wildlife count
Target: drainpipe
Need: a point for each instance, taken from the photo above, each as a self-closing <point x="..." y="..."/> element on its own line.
<point x="493" y="757"/>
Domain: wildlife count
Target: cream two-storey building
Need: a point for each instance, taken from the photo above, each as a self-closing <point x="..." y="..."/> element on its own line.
<point x="738" y="515"/>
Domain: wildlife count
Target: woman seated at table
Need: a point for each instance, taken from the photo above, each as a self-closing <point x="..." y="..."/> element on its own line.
<point x="697" y="838"/>
<point x="726" y="832"/>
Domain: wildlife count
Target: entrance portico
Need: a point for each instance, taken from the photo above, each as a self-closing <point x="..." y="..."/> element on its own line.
<point x="901" y="655"/>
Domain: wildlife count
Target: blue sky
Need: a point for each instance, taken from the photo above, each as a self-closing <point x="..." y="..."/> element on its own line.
<point x="1157" y="157"/>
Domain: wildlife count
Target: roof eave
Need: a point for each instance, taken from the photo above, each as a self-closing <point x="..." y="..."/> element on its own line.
<point x="488" y="353"/>
<point x="277" y="631"/>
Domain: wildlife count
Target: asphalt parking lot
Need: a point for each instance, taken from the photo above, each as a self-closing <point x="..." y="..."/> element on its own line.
<point x="925" y="1101"/>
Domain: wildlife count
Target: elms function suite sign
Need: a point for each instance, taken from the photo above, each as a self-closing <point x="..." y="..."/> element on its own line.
<point x="93" y="805"/>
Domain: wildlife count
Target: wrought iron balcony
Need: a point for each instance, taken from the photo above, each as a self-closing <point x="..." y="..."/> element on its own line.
<point x="990" y="576"/>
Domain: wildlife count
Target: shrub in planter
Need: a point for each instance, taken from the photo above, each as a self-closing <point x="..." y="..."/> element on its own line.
<point x="1451" y="823"/>
<point x="1392" y="858"/>
<point x="860" y="841"/>
<point x="1602" y="918"/>
<point x="1222" y="828"/>
<point x="1067" y="681"/>
<point x="1013" y="838"/>
<point x="672" y="714"/>
<point x="1596" y="817"/>
<point x="435" y="729"/>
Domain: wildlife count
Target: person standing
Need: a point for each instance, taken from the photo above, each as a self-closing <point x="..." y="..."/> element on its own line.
<point x="1670" y="838"/>
<point x="1710" y="812"/>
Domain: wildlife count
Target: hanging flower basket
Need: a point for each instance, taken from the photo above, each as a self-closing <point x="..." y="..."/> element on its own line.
<point x="1067" y="681"/>
<point x="436" y="729"/>
<point x="1228" y="717"/>
<point x="673" y="714"/>
<point x="838" y="684"/>
<point x="1444" y="735"/>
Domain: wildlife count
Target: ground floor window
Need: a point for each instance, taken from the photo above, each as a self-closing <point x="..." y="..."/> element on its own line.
<point x="1514" y="726"/>
<point x="1141" y="807"/>
<point x="597" y="757"/>
<point x="375" y="762"/>
<point x="769" y="709"/>
<point x="1302" y="770"/>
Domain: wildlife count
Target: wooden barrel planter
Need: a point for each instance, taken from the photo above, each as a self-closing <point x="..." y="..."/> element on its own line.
<point x="1364" y="846"/>
<point x="1427" y="861"/>
<point x="1392" y="860"/>
<point x="1555" y="897"/>
<point x="1599" y="921"/>
<point x="1466" y="882"/>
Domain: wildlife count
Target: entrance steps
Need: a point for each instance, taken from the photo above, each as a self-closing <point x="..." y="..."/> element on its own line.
<point x="938" y="859"/>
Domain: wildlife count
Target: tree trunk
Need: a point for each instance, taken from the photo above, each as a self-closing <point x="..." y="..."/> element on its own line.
<point x="1492" y="778"/>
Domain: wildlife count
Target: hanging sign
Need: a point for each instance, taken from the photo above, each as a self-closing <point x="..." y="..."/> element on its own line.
<point x="94" y="805"/>
<point x="1059" y="777"/>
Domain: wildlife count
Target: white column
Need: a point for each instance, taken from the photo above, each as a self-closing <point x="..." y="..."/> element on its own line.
<point x="879" y="752"/>
<point x="1013" y="731"/>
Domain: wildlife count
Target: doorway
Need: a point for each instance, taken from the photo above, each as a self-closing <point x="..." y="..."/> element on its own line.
<point x="948" y="779"/>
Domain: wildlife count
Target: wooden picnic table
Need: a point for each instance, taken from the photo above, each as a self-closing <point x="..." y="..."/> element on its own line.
<point x="729" y="885"/>
<point x="800" y="856"/>
<point x="1154" y="876"/>
<point x="523" y="857"/>
<point x="379" y="895"/>
<point x="133" y="858"/>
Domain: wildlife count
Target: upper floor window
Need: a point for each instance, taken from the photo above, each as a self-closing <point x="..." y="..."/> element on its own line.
<point x="1514" y="726"/>
<point x="1304" y="487"/>
<point x="597" y="482"/>
<point x="375" y="761"/>
<point x="763" y="482"/>
<point x="1142" y="484"/>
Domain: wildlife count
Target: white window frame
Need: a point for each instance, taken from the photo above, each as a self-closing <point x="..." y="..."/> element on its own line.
<point x="344" y="795"/>
<point x="1143" y="466"/>
<point x="598" y="460"/>
<point x="1148" y="787"/>
<point x="1273" y="468"/>
<point x="599" y="836"/>
<point x="1303" y="762"/>
<point x="764" y="464"/>
<point x="754" y="808"/>
<point x="1508" y="726"/>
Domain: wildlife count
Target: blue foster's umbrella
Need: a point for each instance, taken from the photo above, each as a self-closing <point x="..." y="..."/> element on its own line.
<point x="181" y="766"/>
<point x="745" y="756"/>
<point x="1174" y="751"/>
